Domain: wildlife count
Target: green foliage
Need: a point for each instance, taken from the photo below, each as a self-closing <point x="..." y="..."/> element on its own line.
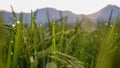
<point x="2" y="43"/>
<point x="58" y="44"/>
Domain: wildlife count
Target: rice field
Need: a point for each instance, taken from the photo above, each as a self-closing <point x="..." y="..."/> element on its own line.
<point x="58" y="45"/>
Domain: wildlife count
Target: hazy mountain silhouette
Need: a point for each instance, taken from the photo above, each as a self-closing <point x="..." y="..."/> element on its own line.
<point x="42" y="16"/>
<point x="52" y="14"/>
<point x="104" y="14"/>
<point x="45" y="14"/>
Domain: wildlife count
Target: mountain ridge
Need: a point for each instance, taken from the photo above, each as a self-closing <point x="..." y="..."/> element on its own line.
<point x="54" y="14"/>
<point x="104" y="13"/>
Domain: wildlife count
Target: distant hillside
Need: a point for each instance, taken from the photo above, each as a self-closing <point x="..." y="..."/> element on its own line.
<point x="104" y="14"/>
<point x="45" y="14"/>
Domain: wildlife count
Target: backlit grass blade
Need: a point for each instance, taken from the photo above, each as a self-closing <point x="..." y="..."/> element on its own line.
<point x="17" y="45"/>
<point x="62" y="38"/>
<point x="104" y="59"/>
<point x="14" y="16"/>
<point x="9" y="60"/>
<point x="62" y="30"/>
<point x="34" y="37"/>
<point x="53" y="39"/>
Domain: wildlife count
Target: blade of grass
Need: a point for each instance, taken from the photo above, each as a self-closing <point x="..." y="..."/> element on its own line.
<point x="17" y="45"/>
<point x="104" y="59"/>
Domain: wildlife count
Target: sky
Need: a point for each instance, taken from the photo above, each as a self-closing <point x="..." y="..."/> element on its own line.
<point x="76" y="6"/>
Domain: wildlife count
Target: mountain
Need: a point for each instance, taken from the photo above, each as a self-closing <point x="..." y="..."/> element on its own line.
<point x="45" y="14"/>
<point x="54" y="14"/>
<point x="42" y="16"/>
<point x="104" y="14"/>
<point x="8" y="16"/>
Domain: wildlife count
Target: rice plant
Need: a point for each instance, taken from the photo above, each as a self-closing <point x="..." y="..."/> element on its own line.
<point x="58" y="45"/>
